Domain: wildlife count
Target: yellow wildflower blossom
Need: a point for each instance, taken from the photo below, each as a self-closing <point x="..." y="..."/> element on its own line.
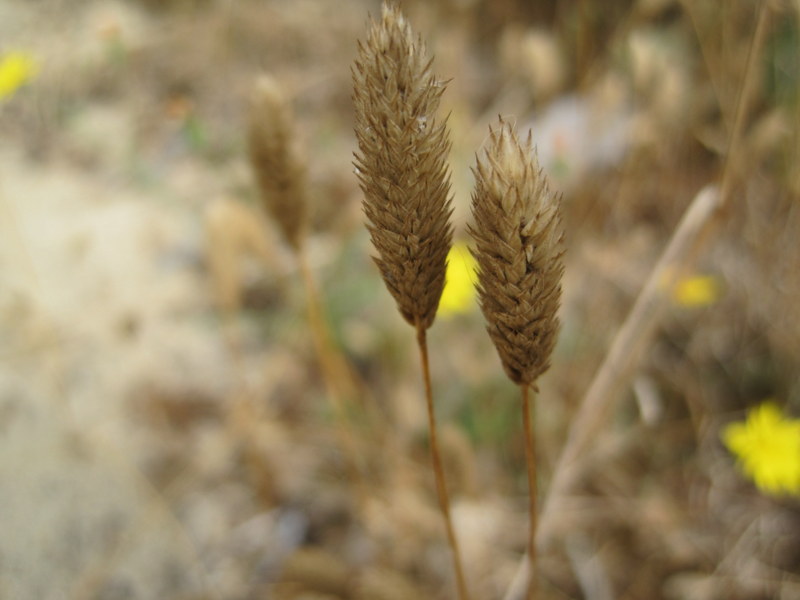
<point x="16" y="69"/>
<point x="696" y="291"/>
<point x="767" y="446"/>
<point x="459" y="287"/>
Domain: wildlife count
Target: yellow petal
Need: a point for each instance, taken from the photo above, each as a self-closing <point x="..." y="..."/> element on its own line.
<point x="735" y="437"/>
<point x="767" y="447"/>
<point x="16" y="69"/>
<point x="459" y="289"/>
<point x="697" y="291"/>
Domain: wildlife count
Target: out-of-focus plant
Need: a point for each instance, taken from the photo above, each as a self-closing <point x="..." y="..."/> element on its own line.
<point x="16" y="69"/>
<point x="767" y="448"/>
<point x="697" y="291"/>
<point x="691" y="290"/>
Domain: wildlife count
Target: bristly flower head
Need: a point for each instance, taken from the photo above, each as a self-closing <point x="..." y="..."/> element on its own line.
<point x="519" y="249"/>
<point x="767" y="445"/>
<point x="401" y="164"/>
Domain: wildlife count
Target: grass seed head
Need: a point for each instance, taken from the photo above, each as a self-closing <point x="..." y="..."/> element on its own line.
<point x="519" y="249"/>
<point x="279" y="170"/>
<point x="401" y="164"/>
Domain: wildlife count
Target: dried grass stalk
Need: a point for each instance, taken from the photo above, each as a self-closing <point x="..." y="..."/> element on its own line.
<point x="519" y="249"/>
<point x="279" y="170"/>
<point x="402" y="171"/>
<point x="401" y="164"/>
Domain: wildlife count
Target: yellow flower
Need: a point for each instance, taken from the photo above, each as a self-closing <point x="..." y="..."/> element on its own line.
<point x="767" y="446"/>
<point x="693" y="291"/>
<point x="459" y="288"/>
<point x="16" y="69"/>
<point x="696" y="291"/>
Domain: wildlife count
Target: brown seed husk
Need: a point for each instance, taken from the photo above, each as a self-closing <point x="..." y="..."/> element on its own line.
<point x="279" y="170"/>
<point x="401" y="164"/>
<point x="519" y="249"/>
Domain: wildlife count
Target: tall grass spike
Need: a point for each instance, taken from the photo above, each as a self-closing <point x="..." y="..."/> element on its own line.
<point x="401" y="164"/>
<point x="519" y="249"/>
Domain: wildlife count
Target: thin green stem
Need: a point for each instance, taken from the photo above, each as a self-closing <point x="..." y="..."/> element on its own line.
<point x="438" y="470"/>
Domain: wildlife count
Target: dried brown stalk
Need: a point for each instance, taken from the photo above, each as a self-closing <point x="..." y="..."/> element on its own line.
<point x="401" y="166"/>
<point x="518" y="248"/>
<point x="703" y="215"/>
<point x="699" y="222"/>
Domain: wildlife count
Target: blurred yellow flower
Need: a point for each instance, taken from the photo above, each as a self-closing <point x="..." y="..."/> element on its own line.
<point x="16" y="69"/>
<point x="459" y="288"/>
<point x="767" y="446"/>
<point x="693" y="291"/>
<point x="697" y="291"/>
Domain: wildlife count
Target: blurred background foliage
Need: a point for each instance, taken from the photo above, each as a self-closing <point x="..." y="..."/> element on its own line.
<point x="164" y="430"/>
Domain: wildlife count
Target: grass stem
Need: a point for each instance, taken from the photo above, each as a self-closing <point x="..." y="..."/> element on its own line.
<point x="528" y="410"/>
<point x="694" y="229"/>
<point x="336" y="375"/>
<point x="438" y="470"/>
<point x="628" y="345"/>
<point x="334" y="369"/>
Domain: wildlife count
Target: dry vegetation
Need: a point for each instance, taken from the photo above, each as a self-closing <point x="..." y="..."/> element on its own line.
<point x="167" y="428"/>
